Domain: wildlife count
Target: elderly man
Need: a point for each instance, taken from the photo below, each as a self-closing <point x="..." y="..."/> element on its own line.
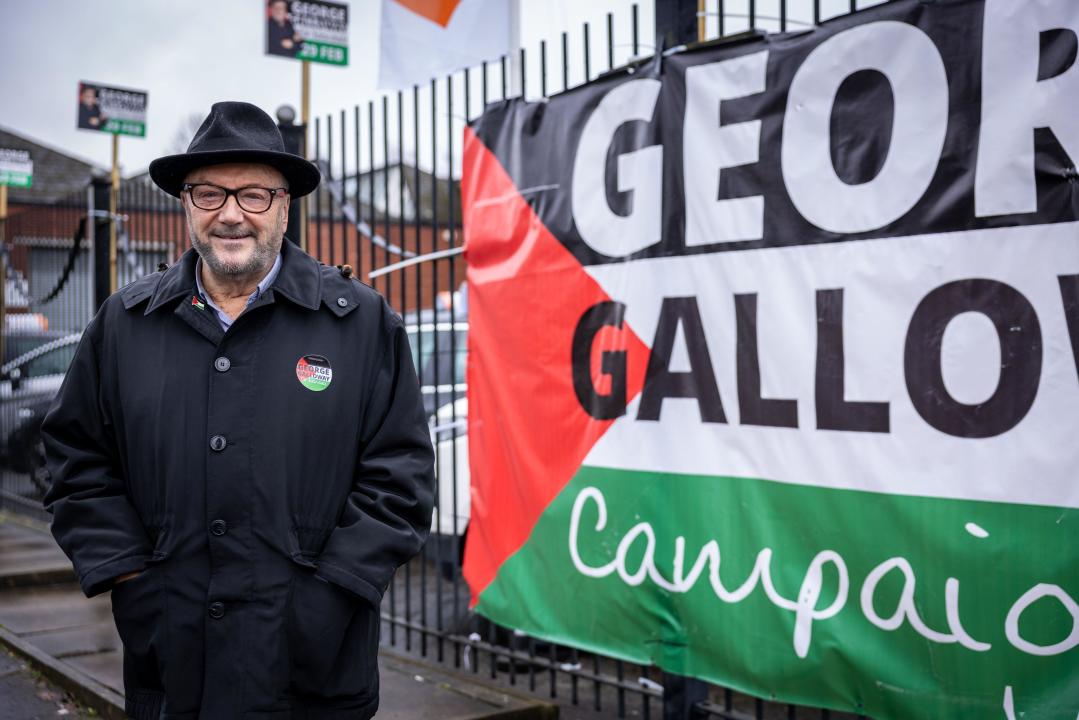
<point x="239" y="453"/>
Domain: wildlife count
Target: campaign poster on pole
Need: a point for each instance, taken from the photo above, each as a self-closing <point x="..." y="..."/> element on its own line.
<point x="314" y="30"/>
<point x="114" y="110"/>
<point x="773" y="365"/>
<point x="16" y="168"/>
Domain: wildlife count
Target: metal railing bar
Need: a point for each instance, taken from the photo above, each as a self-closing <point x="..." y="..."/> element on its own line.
<point x="415" y="260"/>
<point x="450" y="229"/>
<point x="543" y="68"/>
<point x="386" y="220"/>
<point x="337" y="196"/>
<point x="781" y="18"/>
<point x="331" y="218"/>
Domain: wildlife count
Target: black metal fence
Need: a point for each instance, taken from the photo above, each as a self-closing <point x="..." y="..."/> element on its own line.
<point x="389" y="206"/>
<point x="48" y="298"/>
<point x="49" y="284"/>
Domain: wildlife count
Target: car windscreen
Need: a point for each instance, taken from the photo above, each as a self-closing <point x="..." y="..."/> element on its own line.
<point x="19" y="344"/>
<point x="54" y="362"/>
<point x="434" y="353"/>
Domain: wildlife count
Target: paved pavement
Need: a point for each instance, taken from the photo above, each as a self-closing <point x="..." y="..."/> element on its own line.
<point x="27" y="695"/>
<point x="70" y="640"/>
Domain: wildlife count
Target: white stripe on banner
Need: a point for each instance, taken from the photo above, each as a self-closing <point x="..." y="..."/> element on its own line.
<point x="883" y="282"/>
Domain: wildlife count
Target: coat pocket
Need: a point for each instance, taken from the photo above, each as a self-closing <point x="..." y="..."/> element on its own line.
<point x="138" y="610"/>
<point x="333" y="641"/>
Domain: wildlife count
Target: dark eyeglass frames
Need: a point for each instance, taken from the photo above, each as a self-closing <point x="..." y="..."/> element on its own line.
<point x="252" y="199"/>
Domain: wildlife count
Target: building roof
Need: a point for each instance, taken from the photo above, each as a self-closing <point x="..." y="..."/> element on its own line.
<point x="57" y="174"/>
<point x="392" y="193"/>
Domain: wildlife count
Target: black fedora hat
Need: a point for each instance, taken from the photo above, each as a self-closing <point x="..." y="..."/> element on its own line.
<point x="236" y="132"/>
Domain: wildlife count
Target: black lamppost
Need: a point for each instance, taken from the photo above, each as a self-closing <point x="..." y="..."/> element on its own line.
<point x="293" y="136"/>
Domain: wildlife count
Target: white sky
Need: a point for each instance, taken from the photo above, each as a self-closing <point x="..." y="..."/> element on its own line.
<point x="189" y="55"/>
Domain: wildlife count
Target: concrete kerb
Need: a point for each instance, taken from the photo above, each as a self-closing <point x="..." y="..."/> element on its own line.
<point x="37" y="578"/>
<point x="407" y="673"/>
<point x="107" y="703"/>
<point x="505" y="704"/>
<point x="34" y="577"/>
<point x="17" y="519"/>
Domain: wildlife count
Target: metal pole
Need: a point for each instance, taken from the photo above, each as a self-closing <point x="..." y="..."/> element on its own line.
<point x="516" y="66"/>
<point x="3" y="266"/>
<point x="305" y="119"/>
<point x="676" y="22"/>
<point x="101" y="227"/>
<point x="680" y="22"/>
<point x="292" y="134"/>
<point x="113" y="195"/>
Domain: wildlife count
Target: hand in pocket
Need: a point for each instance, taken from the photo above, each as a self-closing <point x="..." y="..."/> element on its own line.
<point x="319" y="615"/>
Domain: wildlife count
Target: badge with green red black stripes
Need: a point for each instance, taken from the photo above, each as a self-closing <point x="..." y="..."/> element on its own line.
<point x="314" y="372"/>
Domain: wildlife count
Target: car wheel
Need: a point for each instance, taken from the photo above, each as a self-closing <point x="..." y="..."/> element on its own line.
<point x="39" y="474"/>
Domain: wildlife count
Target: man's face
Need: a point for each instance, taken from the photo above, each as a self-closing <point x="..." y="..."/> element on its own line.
<point x="232" y="242"/>
<point x="279" y="11"/>
<point x="89" y="96"/>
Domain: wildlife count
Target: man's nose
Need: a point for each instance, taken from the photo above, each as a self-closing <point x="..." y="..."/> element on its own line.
<point x="230" y="212"/>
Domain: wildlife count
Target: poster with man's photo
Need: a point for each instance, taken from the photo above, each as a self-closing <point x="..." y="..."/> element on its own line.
<point x="113" y="110"/>
<point x="314" y="30"/>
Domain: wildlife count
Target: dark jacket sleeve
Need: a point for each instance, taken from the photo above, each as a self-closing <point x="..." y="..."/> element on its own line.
<point x="93" y="521"/>
<point x="388" y="514"/>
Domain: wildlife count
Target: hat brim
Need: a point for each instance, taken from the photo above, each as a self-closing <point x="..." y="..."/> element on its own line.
<point x="169" y="172"/>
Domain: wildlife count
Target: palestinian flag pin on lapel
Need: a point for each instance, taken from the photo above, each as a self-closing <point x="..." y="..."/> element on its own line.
<point x="198" y="303"/>
<point x="314" y="372"/>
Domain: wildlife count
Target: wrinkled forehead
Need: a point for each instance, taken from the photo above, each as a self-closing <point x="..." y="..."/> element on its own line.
<point x="233" y="175"/>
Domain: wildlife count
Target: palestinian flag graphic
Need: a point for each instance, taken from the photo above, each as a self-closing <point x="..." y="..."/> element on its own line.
<point x="774" y="363"/>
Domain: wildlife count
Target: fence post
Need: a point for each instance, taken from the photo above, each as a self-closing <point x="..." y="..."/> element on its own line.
<point x="293" y="135"/>
<point x="680" y="697"/>
<point x="3" y="267"/>
<point x="677" y="24"/>
<point x="100" y="221"/>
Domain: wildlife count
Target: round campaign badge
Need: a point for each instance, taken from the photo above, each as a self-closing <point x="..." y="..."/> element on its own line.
<point x="314" y="372"/>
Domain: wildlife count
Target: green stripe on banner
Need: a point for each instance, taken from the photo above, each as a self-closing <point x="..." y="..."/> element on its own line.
<point x="134" y="128"/>
<point x="946" y="613"/>
<point x="323" y="53"/>
<point x="15" y="179"/>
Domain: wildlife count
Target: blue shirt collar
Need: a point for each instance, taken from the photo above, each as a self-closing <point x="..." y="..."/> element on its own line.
<point x="222" y="316"/>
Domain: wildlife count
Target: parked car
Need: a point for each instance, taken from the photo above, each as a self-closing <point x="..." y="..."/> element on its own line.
<point x="440" y="352"/>
<point x="28" y="383"/>
<point x="24" y="331"/>
<point x="453" y="504"/>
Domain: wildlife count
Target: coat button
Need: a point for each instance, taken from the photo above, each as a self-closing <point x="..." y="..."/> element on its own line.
<point x="217" y="443"/>
<point x="342" y="302"/>
<point x="219" y="527"/>
<point x="217" y="610"/>
<point x="222" y="364"/>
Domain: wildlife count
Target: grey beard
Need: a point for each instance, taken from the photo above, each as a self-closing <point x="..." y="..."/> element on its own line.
<point x="262" y="257"/>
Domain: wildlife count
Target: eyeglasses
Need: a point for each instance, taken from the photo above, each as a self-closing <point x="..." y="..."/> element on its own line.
<point x="252" y="199"/>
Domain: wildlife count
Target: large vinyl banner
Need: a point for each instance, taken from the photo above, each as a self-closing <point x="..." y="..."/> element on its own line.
<point x="773" y="362"/>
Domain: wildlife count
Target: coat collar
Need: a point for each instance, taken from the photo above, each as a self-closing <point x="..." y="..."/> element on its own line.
<point x="299" y="279"/>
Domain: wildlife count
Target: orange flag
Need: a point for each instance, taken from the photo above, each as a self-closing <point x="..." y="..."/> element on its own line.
<point x="425" y="39"/>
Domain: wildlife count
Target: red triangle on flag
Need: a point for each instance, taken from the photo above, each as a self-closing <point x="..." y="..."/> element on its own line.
<point x="528" y="433"/>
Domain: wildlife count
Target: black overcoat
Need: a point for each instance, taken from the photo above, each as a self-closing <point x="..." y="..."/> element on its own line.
<point x="266" y="515"/>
